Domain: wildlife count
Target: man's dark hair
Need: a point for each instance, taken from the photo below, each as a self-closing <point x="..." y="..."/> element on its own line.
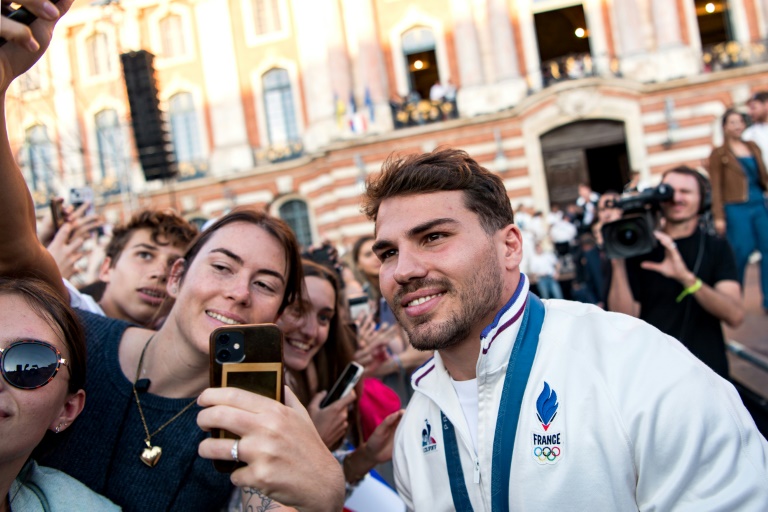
<point x="441" y="170"/>
<point x="166" y="228"/>
<point x="761" y="96"/>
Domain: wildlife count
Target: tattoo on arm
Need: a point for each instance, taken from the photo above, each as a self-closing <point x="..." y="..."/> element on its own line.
<point x="255" y="501"/>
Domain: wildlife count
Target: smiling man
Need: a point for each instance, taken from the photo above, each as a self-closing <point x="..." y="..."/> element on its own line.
<point x="135" y="270"/>
<point x="529" y="404"/>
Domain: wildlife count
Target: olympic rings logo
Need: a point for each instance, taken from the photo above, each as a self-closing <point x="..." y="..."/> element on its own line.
<point x="546" y="453"/>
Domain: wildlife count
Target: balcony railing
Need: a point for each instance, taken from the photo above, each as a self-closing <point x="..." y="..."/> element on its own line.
<point x="732" y="54"/>
<point x="573" y="67"/>
<point x="420" y="112"/>
<point x="279" y="152"/>
<point x="192" y="170"/>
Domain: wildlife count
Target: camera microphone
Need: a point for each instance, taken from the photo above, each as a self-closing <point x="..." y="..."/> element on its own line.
<point x="142" y="385"/>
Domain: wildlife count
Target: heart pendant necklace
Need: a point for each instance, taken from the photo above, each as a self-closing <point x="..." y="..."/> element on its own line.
<point x="151" y="454"/>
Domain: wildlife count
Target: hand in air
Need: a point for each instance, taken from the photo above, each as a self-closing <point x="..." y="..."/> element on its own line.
<point x="672" y="266"/>
<point x="26" y="43"/>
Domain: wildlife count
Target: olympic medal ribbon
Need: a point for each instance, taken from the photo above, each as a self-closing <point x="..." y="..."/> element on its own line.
<point x="455" y="473"/>
<point x="515" y="381"/>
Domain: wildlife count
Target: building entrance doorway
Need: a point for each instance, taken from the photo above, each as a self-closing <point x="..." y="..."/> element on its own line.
<point x="592" y="152"/>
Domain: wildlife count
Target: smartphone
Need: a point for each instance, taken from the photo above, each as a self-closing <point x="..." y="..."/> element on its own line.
<point x="358" y="305"/>
<point x="57" y="213"/>
<point x="341" y="388"/>
<point x="80" y="195"/>
<point x="248" y="357"/>
<point x="22" y="15"/>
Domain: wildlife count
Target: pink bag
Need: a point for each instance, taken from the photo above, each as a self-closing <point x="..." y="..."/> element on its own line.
<point x="377" y="401"/>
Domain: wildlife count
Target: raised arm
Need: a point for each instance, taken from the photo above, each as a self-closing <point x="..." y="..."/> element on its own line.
<point x="21" y="254"/>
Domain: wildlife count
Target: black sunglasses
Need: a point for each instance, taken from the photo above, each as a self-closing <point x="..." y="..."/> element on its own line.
<point x="30" y="364"/>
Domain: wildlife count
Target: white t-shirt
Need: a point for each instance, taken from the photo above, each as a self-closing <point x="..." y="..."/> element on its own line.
<point x="544" y="264"/>
<point x="466" y="390"/>
<point x="83" y="301"/>
<point x="758" y="133"/>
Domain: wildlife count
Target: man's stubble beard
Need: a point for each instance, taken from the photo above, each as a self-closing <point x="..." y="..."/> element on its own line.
<point x="478" y="298"/>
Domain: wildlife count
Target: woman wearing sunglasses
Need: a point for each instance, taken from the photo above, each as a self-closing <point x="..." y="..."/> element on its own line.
<point x="139" y="442"/>
<point x="42" y="359"/>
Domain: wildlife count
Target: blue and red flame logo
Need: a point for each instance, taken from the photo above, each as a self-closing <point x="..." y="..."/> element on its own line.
<point x="546" y="406"/>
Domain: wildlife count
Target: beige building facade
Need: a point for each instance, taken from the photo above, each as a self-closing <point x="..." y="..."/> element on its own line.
<point x="291" y="104"/>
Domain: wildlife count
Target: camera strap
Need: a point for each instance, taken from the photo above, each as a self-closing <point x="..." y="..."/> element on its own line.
<point x="515" y="382"/>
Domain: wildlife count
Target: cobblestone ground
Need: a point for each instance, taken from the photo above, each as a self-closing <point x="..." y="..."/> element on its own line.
<point x="753" y="334"/>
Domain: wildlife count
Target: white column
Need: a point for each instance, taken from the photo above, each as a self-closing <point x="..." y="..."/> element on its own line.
<point x="503" y="40"/>
<point x="762" y="17"/>
<point x="367" y="60"/>
<point x="466" y="44"/>
<point x="530" y="45"/>
<point x="311" y="21"/>
<point x="739" y="23"/>
<point x="231" y="150"/>
<point x="65" y="108"/>
<point x="628" y="28"/>
<point x="598" y="43"/>
<point x="666" y="23"/>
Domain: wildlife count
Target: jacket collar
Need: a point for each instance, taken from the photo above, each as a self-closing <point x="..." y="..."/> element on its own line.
<point x="496" y="342"/>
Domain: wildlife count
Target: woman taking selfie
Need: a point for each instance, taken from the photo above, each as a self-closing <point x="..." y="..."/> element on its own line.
<point x="739" y="182"/>
<point x="139" y="441"/>
<point x="42" y="353"/>
<point x="317" y="346"/>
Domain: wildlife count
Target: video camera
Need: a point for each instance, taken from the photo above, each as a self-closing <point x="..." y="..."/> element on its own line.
<point x="632" y="234"/>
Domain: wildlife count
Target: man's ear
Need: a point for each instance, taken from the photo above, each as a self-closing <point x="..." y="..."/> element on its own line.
<point x="512" y="243"/>
<point x="174" y="277"/>
<point x="105" y="270"/>
<point x="69" y="411"/>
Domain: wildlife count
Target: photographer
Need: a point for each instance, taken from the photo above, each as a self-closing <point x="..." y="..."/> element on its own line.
<point x="687" y="284"/>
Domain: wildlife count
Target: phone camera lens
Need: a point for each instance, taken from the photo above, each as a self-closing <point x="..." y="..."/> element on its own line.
<point x="224" y="339"/>
<point x="223" y="355"/>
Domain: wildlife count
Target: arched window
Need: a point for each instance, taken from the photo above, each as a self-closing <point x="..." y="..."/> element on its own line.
<point x="266" y="14"/>
<point x="99" y="62"/>
<point x="296" y="214"/>
<point x="172" y="33"/>
<point x="38" y="162"/>
<point x="419" y="51"/>
<point x="279" y="108"/>
<point x="109" y="139"/>
<point x="184" y="129"/>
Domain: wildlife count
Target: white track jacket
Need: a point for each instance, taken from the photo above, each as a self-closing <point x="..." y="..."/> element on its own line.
<point x="615" y="416"/>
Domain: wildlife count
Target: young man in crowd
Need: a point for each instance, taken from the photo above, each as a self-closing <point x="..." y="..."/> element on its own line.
<point x="136" y="266"/>
<point x="758" y="131"/>
<point x="688" y="284"/>
<point x="527" y="405"/>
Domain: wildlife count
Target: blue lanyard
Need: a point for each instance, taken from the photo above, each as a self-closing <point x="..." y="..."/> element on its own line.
<point x="518" y="370"/>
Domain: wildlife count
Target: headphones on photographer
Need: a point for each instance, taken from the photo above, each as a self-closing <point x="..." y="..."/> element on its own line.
<point x="705" y="190"/>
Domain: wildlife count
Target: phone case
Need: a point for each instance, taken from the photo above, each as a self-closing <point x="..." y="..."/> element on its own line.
<point x="255" y="365"/>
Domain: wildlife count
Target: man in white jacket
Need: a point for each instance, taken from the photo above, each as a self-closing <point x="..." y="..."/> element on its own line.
<point x="531" y="405"/>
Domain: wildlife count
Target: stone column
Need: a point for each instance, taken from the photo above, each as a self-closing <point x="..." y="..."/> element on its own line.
<point x="65" y="108"/>
<point x="311" y="21"/>
<point x="367" y="61"/>
<point x="666" y="23"/>
<point x="231" y="149"/>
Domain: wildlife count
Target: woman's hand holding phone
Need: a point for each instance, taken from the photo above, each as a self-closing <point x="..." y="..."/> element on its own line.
<point x="284" y="455"/>
<point x="331" y="421"/>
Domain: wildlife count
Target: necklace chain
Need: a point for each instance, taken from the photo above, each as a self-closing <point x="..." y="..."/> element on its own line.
<point x="138" y="402"/>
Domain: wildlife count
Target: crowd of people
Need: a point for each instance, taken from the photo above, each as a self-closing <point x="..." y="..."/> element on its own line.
<point x="105" y="397"/>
